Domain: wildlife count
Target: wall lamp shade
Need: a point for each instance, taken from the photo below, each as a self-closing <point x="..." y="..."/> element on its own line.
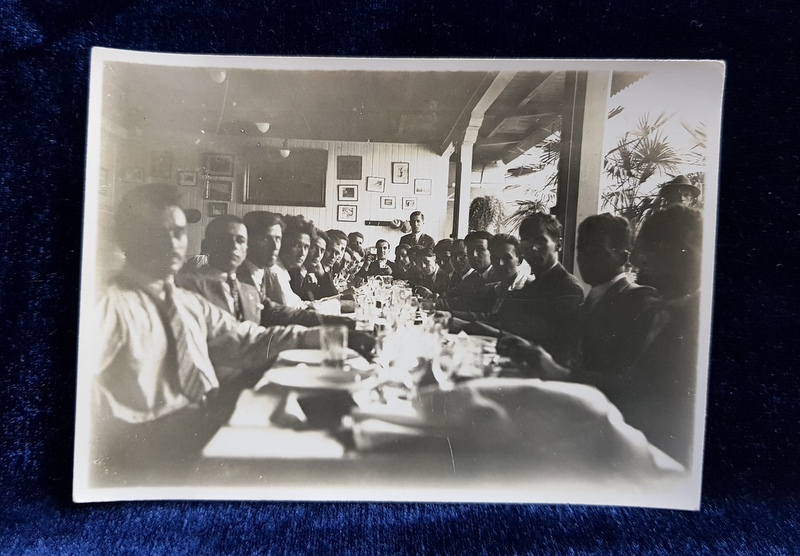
<point x="285" y="152"/>
<point x="217" y="75"/>
<point x="263" y="127"/>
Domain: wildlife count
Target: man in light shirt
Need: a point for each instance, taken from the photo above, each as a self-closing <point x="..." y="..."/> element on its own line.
<point x="156" y="389"/>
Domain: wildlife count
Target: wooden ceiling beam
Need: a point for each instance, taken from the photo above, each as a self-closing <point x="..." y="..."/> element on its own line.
<point x="534" y="138"/>
<point x="485" y="94"/>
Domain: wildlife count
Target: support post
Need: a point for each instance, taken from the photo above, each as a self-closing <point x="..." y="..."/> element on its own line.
<point x="581" y="161"/>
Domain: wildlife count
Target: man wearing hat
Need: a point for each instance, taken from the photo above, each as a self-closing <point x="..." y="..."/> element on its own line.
<point x="679" y="191"/>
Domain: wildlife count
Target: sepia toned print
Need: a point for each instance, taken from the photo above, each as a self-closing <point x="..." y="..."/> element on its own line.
<point x="521" y="308"/>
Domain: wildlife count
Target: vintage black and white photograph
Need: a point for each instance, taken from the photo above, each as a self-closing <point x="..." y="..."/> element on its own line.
<point x="219" y="189"/>
<point x="217" y="209"/>
<point x="409" y="203"/>
<point x="219" y="164"/>
<point x="346" y="213"/>
<point x="376" y="185"/>
<point x="399" y="172"/>
<point x="348" y="167"/>
<point x="422" y="186"/>
<point x="347" y="192"/>
<point x="532" y="327"/>
<point x="187" y="178"/>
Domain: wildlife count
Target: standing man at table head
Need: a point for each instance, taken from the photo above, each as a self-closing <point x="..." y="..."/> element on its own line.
<point x="156" y="390"/>
<point x="416" y="237"/>
<point x="226" y="246"/>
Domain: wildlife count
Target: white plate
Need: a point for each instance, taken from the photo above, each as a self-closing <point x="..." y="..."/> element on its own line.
<point x="310" y="356"/>
<point x="313" y="378"/>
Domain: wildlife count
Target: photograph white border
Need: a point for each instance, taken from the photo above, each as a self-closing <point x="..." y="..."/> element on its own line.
<point x="684" y="495"/>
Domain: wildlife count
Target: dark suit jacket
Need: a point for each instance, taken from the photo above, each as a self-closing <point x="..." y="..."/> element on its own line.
<point x="424" y="239"/>
<point x="210" y="283"/>
<point x="376" y="270"/>
<point x="612" y="332"/>
<point x="466" y="295"/>
<point x="545" y="311"/>
<point x="657" y="394"/>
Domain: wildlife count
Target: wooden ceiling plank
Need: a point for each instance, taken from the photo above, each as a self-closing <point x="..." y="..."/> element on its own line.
<point x="533" y="139"/>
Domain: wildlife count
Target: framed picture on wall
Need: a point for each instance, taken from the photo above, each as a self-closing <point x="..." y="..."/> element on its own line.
<point x="132" y="174"/>
<point x="347" y="192"/>
<point x="409" y="203"/>
<point x="217" y="209"/>
<point x="399" y="172"/>
<point x="219" y="189"/>
<point x="162" y="165"/>
<point x="348" y="167"/>
<point x="388" y="202"/>
<point x="187" y="178"/>
<point x="376" y="185"/>
<point x="422" y="187"/>
<point x="346" y="213"/>
<point x="219" y="164"/>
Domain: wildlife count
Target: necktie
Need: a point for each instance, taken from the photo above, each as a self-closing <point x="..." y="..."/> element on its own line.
<point x="189" y="378"/>
<point x="237" y="297"/>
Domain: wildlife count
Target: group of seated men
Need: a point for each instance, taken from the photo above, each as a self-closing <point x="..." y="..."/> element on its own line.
<point x="175" y="358"/>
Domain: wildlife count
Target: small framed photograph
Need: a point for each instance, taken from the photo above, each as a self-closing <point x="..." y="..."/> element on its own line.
<point x="422" y="187"/>
<point x="348" y="167"/>
<point x="162" y="165"/>
<point x="219" y="164"/>
<point x="219" y="189"/>
<point x="347" y="192"/>
<point x="132" y="174"/>
<point x="388" y="202"/>
<point x="187" y="178"/>
<point x="409" y="203"/>
<point x="376" y="185"/>
<point x="346" y="213"/>
<point x="399" y="172"/>
<point x="217" y="209"/>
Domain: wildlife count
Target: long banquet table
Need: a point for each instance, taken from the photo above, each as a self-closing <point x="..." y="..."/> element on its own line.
<point x="559" y="442"/>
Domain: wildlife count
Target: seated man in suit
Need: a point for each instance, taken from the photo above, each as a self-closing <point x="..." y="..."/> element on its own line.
<point x="355" y="243"/>
<point x="544" y="310"/>
<point x="402" y="263"/>
<point x="462" y="296"/>
<point x="656" y="391"/>
<point x="311" y="281"/>
<point x="156" y="385"/>
<point x="381" y="266"/>
<point x="444" y="255"/>
<point x="226" y="247"/>
<point x="615" y="317"/>
<point x="427" y="278"/>
<point x="416" y="237"/>
<point x="265" y="236"/>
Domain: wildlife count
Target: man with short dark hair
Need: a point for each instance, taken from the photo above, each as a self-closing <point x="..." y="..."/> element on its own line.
<point x="156" y="380"/>
<point x="226" y="246"/>
<point x="656" y="393"/>
<point x="416" y="237"/>
<point x="463" y="295"/>
<point x="265" y="237"/>
<point x="381" y="266"/>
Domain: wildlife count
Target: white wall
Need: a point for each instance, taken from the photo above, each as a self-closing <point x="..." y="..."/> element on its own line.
<point x="136" y="151"/>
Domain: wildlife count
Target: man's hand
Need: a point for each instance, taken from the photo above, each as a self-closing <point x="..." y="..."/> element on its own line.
<point x="533" y="360"/>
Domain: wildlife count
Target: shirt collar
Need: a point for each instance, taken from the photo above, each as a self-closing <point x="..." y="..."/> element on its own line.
<point x="600" y="290"/>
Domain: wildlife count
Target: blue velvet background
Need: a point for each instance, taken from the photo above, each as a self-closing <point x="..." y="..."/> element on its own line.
<point x="750" y="498"/>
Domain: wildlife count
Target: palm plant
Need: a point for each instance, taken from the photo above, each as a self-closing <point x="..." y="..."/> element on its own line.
<point x="638" y="156"/>
<point x="539" y="199"/>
